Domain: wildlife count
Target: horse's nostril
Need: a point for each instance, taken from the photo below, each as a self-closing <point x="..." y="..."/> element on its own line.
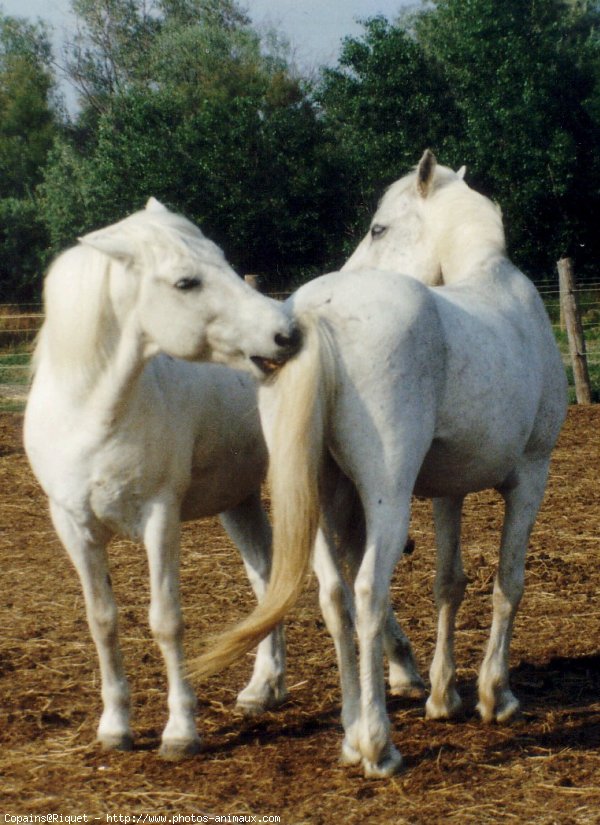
<point x="291" y="341"/>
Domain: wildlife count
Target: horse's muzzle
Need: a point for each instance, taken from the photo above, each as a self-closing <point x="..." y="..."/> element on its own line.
<point x="289" y="345"/>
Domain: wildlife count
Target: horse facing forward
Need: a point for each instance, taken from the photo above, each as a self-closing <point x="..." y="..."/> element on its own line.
<point x="401" y="388"/>
<point x="125" y="442"/>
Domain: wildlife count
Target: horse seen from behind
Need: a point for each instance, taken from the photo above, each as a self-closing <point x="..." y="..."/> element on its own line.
<point x="438" y="377"/>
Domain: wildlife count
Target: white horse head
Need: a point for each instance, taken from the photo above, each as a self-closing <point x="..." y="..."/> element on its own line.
<point x="432" y="226"/>
<point x="156" y="276"/>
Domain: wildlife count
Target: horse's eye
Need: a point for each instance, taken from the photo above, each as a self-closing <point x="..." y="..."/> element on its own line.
<point x="185" y="284"/>
<point x="377" y="230"/>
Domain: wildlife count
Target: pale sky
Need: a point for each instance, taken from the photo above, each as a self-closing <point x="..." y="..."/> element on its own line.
<point x="315" y="28"/>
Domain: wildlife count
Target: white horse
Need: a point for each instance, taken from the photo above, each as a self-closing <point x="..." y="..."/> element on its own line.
<point x="400" y="389"/>
<point x="125" y="442"/>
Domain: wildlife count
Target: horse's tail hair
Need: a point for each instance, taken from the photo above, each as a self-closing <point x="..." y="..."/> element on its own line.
<point x="301" y="400"/>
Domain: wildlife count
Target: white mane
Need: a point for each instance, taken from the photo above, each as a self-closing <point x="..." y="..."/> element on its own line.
<point x="80" y="326"/>
<point x="466" y="226"/>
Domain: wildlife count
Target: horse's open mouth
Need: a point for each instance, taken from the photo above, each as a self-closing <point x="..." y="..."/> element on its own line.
<point x="268" y="365"/>
<point x="290" y="344"/>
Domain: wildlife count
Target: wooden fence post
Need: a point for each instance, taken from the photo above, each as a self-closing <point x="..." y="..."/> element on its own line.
<point x="568" y="302"/>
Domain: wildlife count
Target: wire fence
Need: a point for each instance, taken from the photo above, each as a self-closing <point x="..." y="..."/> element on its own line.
<point x="588" y="299"/>
<point x="20" y="323"/>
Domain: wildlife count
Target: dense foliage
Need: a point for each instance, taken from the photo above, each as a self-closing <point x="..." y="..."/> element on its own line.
<point x="184" y="100"/>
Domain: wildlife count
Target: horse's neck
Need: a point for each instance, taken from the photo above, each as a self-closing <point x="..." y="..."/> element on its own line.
<point x="103" y="386"/>
<point x="117" y="384"/>
<point x="459" y="265"/>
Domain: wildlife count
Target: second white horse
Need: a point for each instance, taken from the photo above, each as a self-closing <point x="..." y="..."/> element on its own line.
<point x="401" y="388"/>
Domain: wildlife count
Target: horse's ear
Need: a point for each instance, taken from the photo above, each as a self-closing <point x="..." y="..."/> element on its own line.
<point x="155" y="206"/>
<point x="111" y="242"/>
<point x="462" y="172"/>
<point x="425" y="172"/>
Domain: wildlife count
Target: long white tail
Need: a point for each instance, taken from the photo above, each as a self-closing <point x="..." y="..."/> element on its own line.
<point x="296" y="453"/>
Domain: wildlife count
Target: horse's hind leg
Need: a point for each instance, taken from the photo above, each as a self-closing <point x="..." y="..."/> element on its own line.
<point x="336" y="605"/>
<point x="249" y="528"/>
<point x="386" y="537"/>
<point x="404" y="675"/>
<point x="523" y="494"/>
<point x="161" y="538"/>
<point x="450" y="583"/>
<point x="86" y="546"/>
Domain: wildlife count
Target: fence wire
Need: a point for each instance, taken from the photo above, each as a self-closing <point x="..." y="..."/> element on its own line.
<point x="20" y="323"/>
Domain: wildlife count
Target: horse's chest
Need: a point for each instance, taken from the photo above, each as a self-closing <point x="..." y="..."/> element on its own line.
<point x="122" y="483"/>
<point x="118" y="503"/>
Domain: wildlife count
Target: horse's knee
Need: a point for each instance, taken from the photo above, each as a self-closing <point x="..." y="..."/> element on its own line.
<point x="507" y="595"/>
<point x="166" y="624"/>
<point x="103" y="622"/>
<point x="450" y="588"/>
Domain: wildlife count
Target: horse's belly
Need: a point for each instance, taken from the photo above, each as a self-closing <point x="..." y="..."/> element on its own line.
<point x="450" y="470"/>
<point x="224" y="481"/>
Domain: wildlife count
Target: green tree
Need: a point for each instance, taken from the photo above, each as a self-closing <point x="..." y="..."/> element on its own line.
<point x="27" y="129"/>
<point x="110" y="49"/>
<point x="510" y="88"/>
<point x="27" y="121"/>
<point x="385" y="93"/>
<point x="214" y="123"/>
<point x="199" y="47"/>
<point x="384" y="103"/>
<point x="255" y="177"/>
<point x="522" y="75"/>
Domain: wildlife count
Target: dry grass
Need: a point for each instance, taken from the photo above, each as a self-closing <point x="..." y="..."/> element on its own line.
<point x="543" y="769"/>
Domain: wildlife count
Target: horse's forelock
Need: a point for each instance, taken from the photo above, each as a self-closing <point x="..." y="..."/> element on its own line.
<point x="167" y="235"/>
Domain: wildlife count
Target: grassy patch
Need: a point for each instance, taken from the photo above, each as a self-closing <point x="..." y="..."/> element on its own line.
<point x="592" y="347"/>
<point x="14" y="377"/>
<point x="14" y="367"/>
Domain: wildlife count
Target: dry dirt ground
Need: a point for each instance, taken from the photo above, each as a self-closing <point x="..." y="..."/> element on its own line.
<point x="544" y="768"/>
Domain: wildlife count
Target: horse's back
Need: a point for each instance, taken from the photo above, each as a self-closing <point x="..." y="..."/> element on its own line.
<point x="464" y="379"/>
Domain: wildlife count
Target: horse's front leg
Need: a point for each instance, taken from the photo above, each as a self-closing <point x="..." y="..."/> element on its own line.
<point x="249" y="528"/>
<point x="450" y="583"/>
<point x="86" y="545"/>
<point x="386" y="536"/>
<point x="523" y="494"/>
<point x="161" y="535"/>
<point x="404" y="677"/>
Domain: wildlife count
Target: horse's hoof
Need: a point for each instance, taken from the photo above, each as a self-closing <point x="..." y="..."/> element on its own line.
<point x="248" y="706"/>
<point x="448" y="709"/>
<point x="175" y="751"/>
<point x="386" y="767"/>
<point x="349" y="755"/>
<point x="411" y="690"/>
<point x="118" y="742"/>
<point x="503" y="710"/>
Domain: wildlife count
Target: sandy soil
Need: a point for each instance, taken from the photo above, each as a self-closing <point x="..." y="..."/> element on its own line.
<point x="544" y="768"/>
